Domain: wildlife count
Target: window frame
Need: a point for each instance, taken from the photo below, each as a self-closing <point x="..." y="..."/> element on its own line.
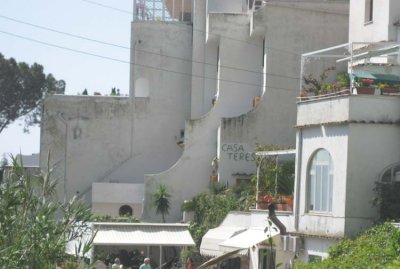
<point x="369" y="12"/>
<point x="325" y="205"/>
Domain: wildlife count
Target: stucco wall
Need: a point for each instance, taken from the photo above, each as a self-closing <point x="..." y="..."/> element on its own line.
<point x="291" y="29"/>
<point x="191" y="174"/>
<point x="119" y="139"/>
<point x="86" y="137"/>
<point x="334" y="139"/>
<point x="361" y="146"/>
<point x="375" y="31"/>
<point x="222" y="6"/>
<point x="364" y="168"/>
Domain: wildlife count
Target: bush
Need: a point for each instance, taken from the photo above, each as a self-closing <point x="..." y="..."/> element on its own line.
<point x="34" y="226"/>
<point x="378" y="247"/>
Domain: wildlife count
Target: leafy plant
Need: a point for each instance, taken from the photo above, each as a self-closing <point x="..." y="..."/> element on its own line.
<point x="269" y="171"/>
<point x="387" y="200"/>
<point x="378" y="247"/>
<point x="34" y="226"/>
<point x="317" y="85"/>
<point x="161" y="201"/>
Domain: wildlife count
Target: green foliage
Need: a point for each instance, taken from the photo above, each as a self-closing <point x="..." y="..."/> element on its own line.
<point x="378" y="247"/>
<point x="317" y="85"/>
<point x="22" y="91"/>
<point x="34" y="226"/>
<point x="387" y="199"/>
<point x="210" y="211"/>
<point x="161" y="201"/>
<point x="107" y="218"/>
<point x="3" y="164"/>
<point x="284" y="171"/>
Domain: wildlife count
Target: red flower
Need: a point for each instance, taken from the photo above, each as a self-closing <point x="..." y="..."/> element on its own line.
<point x="367" y="81"/>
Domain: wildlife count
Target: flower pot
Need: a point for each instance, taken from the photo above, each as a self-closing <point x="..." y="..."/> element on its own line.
<point x="280" y="207"/>
<point x="390" y="91"/>
<point x="262" y="205"/>
<point x="364" y="90"/>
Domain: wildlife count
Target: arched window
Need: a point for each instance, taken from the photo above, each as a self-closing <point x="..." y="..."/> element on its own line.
<point x="320" y="182"/>
<point x="391" y="174"/>
<point x="125" y="210"/>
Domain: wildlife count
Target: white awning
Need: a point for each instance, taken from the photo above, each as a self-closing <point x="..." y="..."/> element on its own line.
<point x="209" y="244"/>
<point x="143" y="234"/>
<point x="247" y="239"/>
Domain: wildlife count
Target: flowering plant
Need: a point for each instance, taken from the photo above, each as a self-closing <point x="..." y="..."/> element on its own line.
<point x="269" y="199"/>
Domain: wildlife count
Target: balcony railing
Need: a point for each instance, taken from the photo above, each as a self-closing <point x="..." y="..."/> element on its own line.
<point x="162" y="10"/>
<point x="351" y="68"/>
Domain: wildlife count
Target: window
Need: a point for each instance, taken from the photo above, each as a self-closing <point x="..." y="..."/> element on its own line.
<point x="125" y="211"/>
<point x="320" y="182"/>
<point x="266" y="258"/>
<point x="369" y="10"/>
<point x="391" y="174"/>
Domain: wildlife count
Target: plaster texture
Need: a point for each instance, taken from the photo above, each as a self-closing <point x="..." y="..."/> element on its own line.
<point x="381" y="28"/>
<point x="118" y="139"/>
<point x="347" y="127"/>
<point x="287" y="34"/>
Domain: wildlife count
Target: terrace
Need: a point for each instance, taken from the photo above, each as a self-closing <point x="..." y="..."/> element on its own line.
<point x="351" y="69"/>
<point x="162" y="10"/>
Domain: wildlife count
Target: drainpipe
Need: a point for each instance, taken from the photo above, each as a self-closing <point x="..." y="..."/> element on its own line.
<point x="298" y="178"/>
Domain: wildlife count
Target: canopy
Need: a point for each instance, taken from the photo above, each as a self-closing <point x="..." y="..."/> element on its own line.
<point x="247" y="239"/>
<point x="378" y="78"/>
<point x="144" y="234"/>
<point x="209" y="244"/>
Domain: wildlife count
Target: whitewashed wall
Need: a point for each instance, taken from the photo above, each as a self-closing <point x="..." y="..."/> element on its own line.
<point x="287" y="35"/>
<point x="119" y="139"/>
<point x="191" y="174"/>
<point x="385" y="14"/>
<point x="362" y="139"/>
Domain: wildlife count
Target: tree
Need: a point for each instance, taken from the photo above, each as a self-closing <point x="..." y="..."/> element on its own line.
<point x="34" y="226"/>
<point x="161" y="201"/>
<point x="22" y="91"/>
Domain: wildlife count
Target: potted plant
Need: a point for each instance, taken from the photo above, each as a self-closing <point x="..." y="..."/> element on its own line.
<point x="264" y="201"/>
<point x="364" y="86"/>
<point x="289" y="203"/>
<point x="388" y="89"/>
<point x="280" y="204"/>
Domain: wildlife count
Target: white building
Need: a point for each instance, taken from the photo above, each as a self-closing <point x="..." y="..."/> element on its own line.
<point x="346" y="141"/>
<point x="198" y="70"/>
<point x="354" y="143"/>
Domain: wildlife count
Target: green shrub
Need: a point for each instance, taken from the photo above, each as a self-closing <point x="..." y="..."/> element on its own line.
<point x="378" y="247"/>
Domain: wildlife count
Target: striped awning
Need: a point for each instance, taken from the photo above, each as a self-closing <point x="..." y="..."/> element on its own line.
<point x="143" y="234"/>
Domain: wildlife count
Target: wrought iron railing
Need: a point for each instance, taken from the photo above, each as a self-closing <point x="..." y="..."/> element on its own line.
<point x="162" y="10"/>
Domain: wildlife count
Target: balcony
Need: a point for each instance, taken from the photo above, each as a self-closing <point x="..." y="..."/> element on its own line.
<point x="351" y="69"/>
<point x="162" y="10"/>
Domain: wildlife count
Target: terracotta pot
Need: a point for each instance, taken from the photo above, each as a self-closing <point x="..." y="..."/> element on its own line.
<point x="263" y="205"/>
<point x="389" y="91"/>
<point x="280" y="207"/>
<point x="365" y="90"/>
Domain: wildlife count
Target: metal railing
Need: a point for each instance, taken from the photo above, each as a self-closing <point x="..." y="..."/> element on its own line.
<point x="162" y="10"/>
<point x="324" y="72"/>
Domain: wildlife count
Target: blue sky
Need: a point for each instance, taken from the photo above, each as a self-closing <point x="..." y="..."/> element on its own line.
<point x="80" y="71"/>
